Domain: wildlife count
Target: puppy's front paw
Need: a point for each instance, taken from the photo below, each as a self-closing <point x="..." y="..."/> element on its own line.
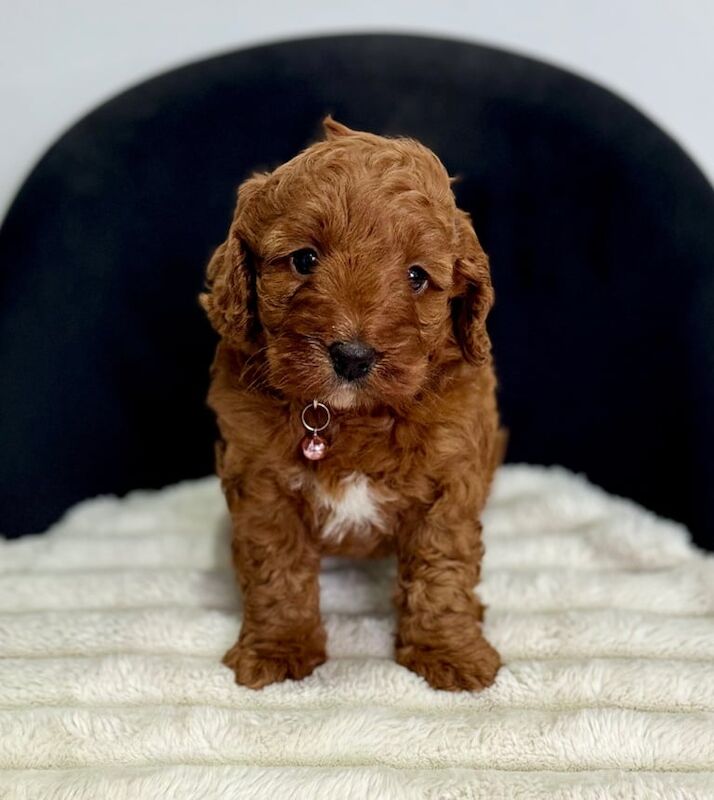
<point x="470" y="667"/>
<point x="256" y="669"/>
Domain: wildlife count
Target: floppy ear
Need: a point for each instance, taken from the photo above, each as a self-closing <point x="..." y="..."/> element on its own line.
<point x="229" y="299"/>
<point x="473" y="293"/>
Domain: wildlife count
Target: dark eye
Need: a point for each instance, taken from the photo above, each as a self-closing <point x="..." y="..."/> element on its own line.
<point x="418" y="279"/>
<point x="304" y="261"/>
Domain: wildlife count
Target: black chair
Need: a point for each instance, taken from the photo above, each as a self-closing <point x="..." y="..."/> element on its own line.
<point x="600" y="231"/>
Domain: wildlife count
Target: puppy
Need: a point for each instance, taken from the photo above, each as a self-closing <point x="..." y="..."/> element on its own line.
<point x="355" y="397"/>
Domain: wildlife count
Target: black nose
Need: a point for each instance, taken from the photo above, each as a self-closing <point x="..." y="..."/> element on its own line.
<point x="352" y="360"/>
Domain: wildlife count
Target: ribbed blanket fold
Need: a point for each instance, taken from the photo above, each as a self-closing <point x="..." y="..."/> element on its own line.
<point x="113" y="623"/>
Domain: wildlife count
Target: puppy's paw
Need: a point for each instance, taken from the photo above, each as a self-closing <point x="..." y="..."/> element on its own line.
<point x="255" y="669"/>
<point x="472" y="667"/>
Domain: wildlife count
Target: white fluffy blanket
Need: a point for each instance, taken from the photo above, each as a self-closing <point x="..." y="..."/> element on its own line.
<point x="113" y="624"/>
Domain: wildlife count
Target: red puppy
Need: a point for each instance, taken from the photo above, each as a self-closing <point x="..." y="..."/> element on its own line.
<point x="349" y="277"/>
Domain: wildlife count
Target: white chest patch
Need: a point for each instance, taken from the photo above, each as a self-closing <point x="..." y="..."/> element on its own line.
<point x="353" y="508"/>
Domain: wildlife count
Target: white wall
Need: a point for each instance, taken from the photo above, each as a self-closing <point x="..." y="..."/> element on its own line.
<point x="59" y="58"/>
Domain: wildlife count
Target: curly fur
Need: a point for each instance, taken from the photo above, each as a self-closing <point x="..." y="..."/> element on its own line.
<point x="413" y="447"/>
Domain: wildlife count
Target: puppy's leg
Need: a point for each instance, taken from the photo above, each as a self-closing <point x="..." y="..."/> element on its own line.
<point x="439" y="635"/>
<point x="278" y="567"/>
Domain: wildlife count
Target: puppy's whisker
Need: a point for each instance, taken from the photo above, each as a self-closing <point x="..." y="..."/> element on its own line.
<point x="249" y="360"/>
<point x="259" y="378"/>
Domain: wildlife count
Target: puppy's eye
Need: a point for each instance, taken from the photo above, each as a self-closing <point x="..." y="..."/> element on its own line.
<point x="418" y="279"/>
<point x="304" y="261"/>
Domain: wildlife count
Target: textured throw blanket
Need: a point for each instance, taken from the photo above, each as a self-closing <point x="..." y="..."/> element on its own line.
<point x="113" y="624"/>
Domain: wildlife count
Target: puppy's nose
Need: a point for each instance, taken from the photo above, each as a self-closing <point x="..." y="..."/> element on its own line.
<point x="352" y="360"/>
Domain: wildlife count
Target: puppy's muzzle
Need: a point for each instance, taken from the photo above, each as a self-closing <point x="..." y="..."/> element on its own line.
<point x="352" y="360"/>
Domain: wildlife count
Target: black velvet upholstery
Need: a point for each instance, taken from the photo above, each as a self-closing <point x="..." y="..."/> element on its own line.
<point x="600" y="232"/>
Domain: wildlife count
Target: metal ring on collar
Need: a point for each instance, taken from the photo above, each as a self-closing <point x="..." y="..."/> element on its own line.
<point x="315" y="405"/>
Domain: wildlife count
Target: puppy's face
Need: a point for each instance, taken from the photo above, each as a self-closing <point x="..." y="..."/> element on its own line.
<point x="351" y="272"/>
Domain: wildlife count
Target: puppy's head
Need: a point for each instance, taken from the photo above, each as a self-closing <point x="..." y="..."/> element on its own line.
<point x="351" y="272"/>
